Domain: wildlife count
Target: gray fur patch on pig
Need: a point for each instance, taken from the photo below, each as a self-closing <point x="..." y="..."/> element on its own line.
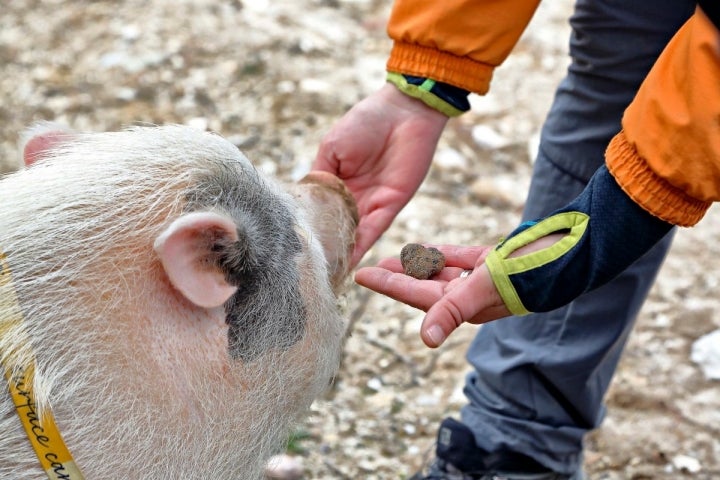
<point x="261" y="262"/>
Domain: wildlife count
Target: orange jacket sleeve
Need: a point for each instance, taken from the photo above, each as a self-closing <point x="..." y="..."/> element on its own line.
<point x="667" y="158"/>
<point x="459" y="42"/>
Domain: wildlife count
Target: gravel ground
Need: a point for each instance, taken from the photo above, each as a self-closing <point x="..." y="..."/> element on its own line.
<point x="273" y="77"/>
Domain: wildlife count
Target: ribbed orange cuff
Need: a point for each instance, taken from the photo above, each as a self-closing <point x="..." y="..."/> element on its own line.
<point x="647" y="189"/>
<point x="420" y="61"/>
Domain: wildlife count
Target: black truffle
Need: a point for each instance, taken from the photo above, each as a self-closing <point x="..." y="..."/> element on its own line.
<point x="420" y="262"/>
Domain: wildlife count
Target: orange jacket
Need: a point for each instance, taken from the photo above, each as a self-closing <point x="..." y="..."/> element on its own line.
<point x="459" y="42"/>
<point x="667" y="158"/>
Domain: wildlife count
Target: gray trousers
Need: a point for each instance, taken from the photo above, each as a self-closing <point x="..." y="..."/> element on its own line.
<point x="539" y="381"/>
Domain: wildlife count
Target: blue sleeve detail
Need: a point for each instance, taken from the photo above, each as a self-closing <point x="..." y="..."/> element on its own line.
<point x="619" y="232"/>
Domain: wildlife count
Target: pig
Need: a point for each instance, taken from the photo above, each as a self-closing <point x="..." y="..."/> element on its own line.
<point x="182" y="310"/>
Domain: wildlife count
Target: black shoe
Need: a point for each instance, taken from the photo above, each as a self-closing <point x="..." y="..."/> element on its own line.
<point x="459" y="458"/>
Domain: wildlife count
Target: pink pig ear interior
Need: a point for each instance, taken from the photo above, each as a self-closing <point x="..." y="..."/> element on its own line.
<point x="185" y="250"/>
<point x="38" y="140"/>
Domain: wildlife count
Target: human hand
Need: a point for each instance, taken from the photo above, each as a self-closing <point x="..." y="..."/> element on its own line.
<point x="382" y="149"/>
<point x="448" y="299"/>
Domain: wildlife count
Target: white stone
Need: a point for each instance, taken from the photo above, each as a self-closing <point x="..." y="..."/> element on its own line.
<point x="201" y="123"/>
<point x="489" y="138"/>
<point x="685" y="463"/>
<point x="314" y="85"/>
<point x="706" y="353"/>
<point x="449" y="158"/>
<point x="284" y="467"/>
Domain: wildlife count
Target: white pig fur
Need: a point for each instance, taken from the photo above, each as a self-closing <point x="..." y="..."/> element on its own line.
<point x="140" y="380"/>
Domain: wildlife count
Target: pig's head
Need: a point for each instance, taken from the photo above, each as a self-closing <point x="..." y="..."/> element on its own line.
<point x="182" y="309"/>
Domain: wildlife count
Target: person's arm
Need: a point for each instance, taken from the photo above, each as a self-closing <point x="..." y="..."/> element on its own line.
<point x="667" y="158"/>
<point x="382" y="148"/>
<point x="601" y="233"/>
<point x="662" y="170"/>
<point x="542" y="265"/>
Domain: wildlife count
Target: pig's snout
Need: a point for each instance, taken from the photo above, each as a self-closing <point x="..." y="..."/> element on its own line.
<point x="335" y="218"/>
<point x="333" y="184"/>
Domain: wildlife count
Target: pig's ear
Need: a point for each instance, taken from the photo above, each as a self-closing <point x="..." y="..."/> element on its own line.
<point x="39" y="139"/>
<point x="188" y="252"/>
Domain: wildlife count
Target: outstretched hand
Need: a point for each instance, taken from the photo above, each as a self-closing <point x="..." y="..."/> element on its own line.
<point x="382" y="149"/>
<point x="448" y="299"/>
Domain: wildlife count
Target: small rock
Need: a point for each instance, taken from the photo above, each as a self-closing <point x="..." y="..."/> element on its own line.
<point x="200" y="123"/>
<point x="449" y="159"/>
<point x="427" y="400"/>
<point x="685" y="463"/>
<point x="706" y="353"/>
<point x="499" y="191"/>
<point x="130" y="33"/>
<point x="125" y="94"/>
<point x="374" y="384"/>
<point x="284" y="467"/>
<point x="420" y="262"/>
<point x="488" y="138"/>
<point x="314" y="85"/>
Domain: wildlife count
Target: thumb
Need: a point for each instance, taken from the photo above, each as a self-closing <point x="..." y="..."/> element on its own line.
<point x="473" y="299"/>
<point x="326" y="158"/>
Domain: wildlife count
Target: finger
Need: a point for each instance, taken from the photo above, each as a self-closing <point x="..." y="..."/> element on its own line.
<point x="365" y="238"/>
<point x="421" y="294"/>
<point x="325" y="159"/>
<point x="447" y="274"/>
<point x="369" y="229"/>
<point x="433" y="338"/>
<point x="393" y="264"/>
<point x="489" y="314"/>
<point x="463" y="257"/>
<point x="474" y="299"/>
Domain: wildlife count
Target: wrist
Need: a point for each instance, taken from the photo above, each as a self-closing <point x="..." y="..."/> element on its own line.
<point x="411" y="107"/>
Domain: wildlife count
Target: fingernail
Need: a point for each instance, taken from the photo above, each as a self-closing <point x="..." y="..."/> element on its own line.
<point x="436" y="335"/>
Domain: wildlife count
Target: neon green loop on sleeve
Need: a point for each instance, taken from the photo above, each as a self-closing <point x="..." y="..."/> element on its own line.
<point x="423" y="93"/>
<point x="502" y="266"/>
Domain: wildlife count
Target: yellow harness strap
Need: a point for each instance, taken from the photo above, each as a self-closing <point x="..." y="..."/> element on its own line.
<point x="41" y="430"/>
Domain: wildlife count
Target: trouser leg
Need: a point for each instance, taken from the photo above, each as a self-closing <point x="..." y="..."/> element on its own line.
<point x="539" y="380"/>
